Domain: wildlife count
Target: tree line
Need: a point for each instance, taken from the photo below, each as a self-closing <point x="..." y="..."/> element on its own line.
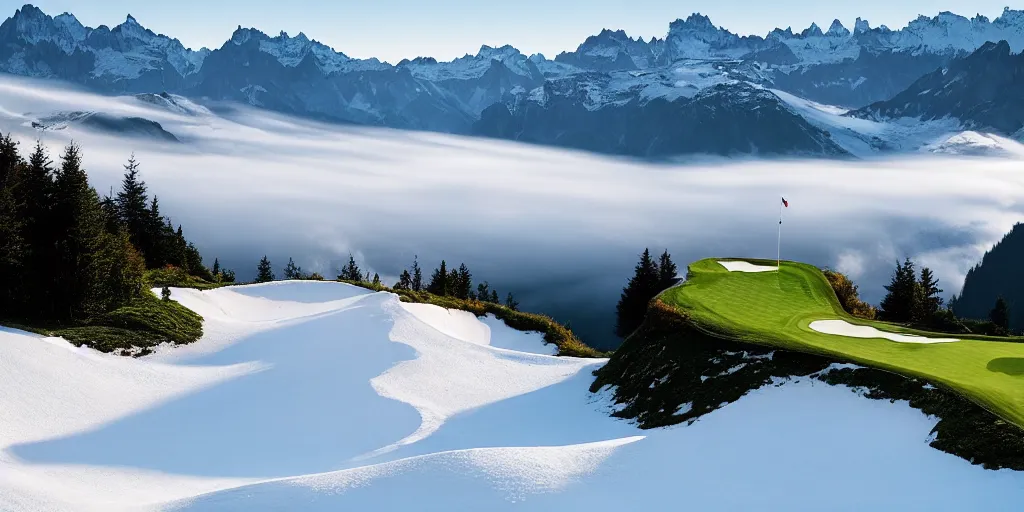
<point x="650" y="278"/>
<point x="444" y="282"/>
<point x="67" y="254"/>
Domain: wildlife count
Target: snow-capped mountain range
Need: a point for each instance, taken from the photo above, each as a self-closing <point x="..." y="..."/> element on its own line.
<point x="628" y="80"/>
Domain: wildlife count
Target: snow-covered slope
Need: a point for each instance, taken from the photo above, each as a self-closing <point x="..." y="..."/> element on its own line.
<point x="327" y="397"/>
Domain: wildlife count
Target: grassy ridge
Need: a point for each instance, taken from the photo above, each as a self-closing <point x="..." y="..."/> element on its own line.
<point x="555" y="333"/>
<point x="776" y="308"/>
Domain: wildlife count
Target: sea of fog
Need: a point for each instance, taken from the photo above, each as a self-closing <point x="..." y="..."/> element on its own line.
<point x="560" y="229"/>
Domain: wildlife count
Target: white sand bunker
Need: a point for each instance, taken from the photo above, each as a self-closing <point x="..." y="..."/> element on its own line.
<point x="844" y="328"/>
<point x="744" y="266"/>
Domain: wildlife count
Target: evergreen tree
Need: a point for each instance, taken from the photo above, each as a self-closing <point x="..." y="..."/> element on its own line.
<point x="376" y="280"/>
<point x="928" y="301"/>
<point x="111" y="220"/>
<point x="133" y="211"/>
<point x="1000" y="315"/>
<point x="511" y="302"/>
<point x="462" y="285"/>
<point x="264" y="272"/>
<point x="227" y="276"/>
<point x="439" y="280"/>
<point x="639" y="291"/>
<point x="291" y="271"/>
<point x="351" y="271"/>
<point x="12" y="247"/>
<point x="902" y="297"/>
<point x="34" y="197"/>
<point x="78" y="225"/>
<point x="404" y="281"/>
<point x="483" y="291"/>
<point x="494" y="297"/>
<point x="165" y="293"/>
<point x="216" y="267"/>
<point x="667" y="271"/>
<point x="417" y="275"/>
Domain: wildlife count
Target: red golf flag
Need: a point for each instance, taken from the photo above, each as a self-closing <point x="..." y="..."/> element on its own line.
<point x="785" y="203"/>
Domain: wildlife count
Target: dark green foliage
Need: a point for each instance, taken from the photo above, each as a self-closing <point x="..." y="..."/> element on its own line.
<point x="928" y="301"/>
<point x="1000" y="315"/>
<point x="119" y="272"/>
<point x="404" y="281"/>
<point x="12" y="246"/>
<point x="134" y="214"/>
<point x="902" y="297"/>
<point x="494" y="297"/>
<point x="483" y="292"/>
<point x="641" y="288"/>
<point x="264" y="272"/>
<point x="78" y="227"/>
<point x="667" y="271"/>
<point x="34" y="197"/>
<point x="376" y="280"/>
<point x="417" y="275"/>
<point x="227" y="276"/>
<point x="511" y="302"/>
<point x="462" y="284"/>
<point x="351" y="271"/>
<point x="439" y="284"/>
<point x="165" y="293"/>
<point x="291" y="271"/>
<point x="216" y="266"/>
<point x="999" y="274"/>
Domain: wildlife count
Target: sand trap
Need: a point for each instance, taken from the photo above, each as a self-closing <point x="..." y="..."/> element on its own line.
<point x="744" y="266"/>
<point x="844" y="328"/>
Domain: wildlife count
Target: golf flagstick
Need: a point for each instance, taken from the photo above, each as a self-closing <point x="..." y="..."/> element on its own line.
<point x="778" y="247"/>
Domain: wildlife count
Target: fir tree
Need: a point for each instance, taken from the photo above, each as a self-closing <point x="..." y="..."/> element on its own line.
<point x="291" y="271"/>
<point x="12" y="247"/>
<point x="928" y="301"/>
<point x="494" y="297"/>
<point x="483" y="291"/>
<point x="376" y="280"/>
<point x="666" y="270"/>
<point x="404" y="281"/>
<point x="227" y="276"/>
<point x="34" y="199"/>
<point x="78" y="225"/>
<point x="511" y="302"/>
<point x="462" y="285"/>
<point x="417" y="275"/>
<point x="351" y="271"/>
<point x="119" y="272"/>
<point x="903" y="295"/>
<point x="439" y="280"/>
<point x="264" y="272"/>
<point x="216" y="267"/>
<point x="133" y="211"/>
<point x="1000" y="316"/>
<point x="639" y="291"/>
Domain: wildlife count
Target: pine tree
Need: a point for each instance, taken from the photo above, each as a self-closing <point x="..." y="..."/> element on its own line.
<point x="463" y="282"/>
<point x="133" y="211"/>
<point x="161" y="243"/>
<point x="483" y="291"/>
<point x="119" y="272"/>
<point x="264" y="272"/>
<point x="417" y="275"/>
<point x="928" y="301"/>
<point x="439" y="280"/>
<point x="667" y="271"/>
<point x="376" y="280"/>
<point x="1000" y="315"/>
<point x="227" y="276"/>
<point x="639" y="291"/>
<point x="78" y="225"/>
<point x="12" y="246"/>
<point x="351" y="271"/>
<point x="404" y="281"/>
<point x="494" y="297"/>
<point x="903" y="295"/>
<point x="291" y="271"/>
<point x="511" y="302"/>
<point x="216" y="267"/>
<point x="34" y="197"/>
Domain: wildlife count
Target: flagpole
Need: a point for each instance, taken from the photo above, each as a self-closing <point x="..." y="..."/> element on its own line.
<point x="778" y="247"/>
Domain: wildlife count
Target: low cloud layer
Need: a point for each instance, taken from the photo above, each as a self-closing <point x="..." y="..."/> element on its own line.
<point x="561" y="229"/>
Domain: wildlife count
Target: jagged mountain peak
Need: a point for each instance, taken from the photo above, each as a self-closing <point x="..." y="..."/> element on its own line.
<point x="837" y="29"/>
<point x="812" y="31"/>
<point x="861" y="25"/>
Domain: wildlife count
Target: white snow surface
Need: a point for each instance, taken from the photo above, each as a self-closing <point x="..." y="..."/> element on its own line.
<point x="844" y="328"/>
<point x="746" y="266"/>
<point x="325" y="396"/>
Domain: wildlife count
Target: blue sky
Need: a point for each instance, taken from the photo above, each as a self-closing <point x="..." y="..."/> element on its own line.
<point x="445" y="29"/>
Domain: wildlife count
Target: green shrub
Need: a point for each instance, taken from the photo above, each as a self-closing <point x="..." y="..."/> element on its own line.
<point x="177" y="277"/>
<point x="163" y="320"/>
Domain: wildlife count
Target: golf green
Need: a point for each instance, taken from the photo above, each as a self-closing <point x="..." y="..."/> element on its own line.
<point x="776" y="309"/>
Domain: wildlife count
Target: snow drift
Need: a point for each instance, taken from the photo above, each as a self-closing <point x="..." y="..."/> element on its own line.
<point x="323" y="396"/>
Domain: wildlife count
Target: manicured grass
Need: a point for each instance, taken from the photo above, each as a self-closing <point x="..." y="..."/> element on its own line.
<point x="776" y="308"/>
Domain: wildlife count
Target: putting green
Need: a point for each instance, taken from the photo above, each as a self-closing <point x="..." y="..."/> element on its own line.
<point x="776" y="309"/>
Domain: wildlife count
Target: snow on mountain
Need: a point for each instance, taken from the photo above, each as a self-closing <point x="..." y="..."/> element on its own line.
<point x="335" y="397"/>
<point x="470" y="67"/>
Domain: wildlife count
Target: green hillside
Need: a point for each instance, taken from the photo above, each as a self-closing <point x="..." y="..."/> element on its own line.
<point x="775" y="309"/>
